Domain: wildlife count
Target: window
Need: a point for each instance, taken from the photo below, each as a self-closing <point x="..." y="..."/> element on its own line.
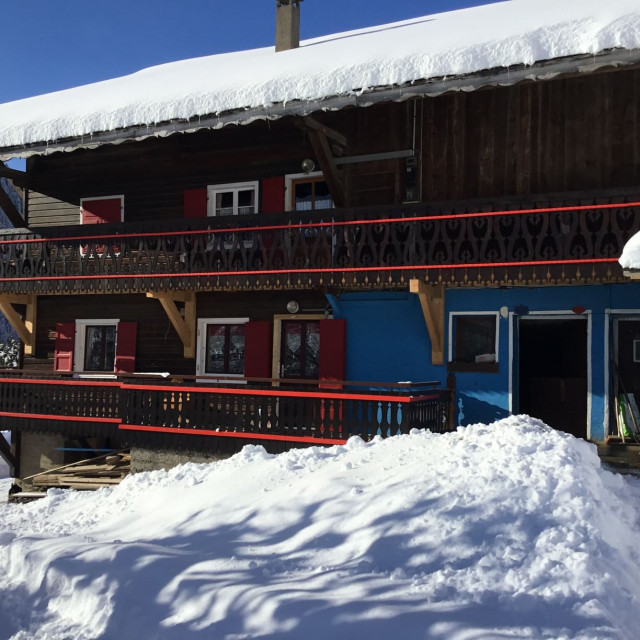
<point x="233" y="199"/>
<point x="307" y="192"/>
<point x="300" y="356"/>
<point x="221" y="346"/>
<point x="473" y="341"/>
<point x="101" y="346"/>
<point x="95" y="345"/>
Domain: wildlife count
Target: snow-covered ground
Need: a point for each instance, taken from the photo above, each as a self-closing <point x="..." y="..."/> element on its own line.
<point x="510" y="530"/>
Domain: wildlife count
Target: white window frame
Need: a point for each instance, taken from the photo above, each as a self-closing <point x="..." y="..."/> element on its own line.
<point x="288" y="187"/>
<point x="452" y="316"/>
<point x="234" y="187"/>
<point x="80" y="341"/>
<point x="116" y="197"/>
<point x="201" y="346"/>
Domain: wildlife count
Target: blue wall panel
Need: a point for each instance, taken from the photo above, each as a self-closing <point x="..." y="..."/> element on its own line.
<point x="387" y="340"/>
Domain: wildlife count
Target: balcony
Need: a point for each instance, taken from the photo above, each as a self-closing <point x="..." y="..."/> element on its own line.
<point x="552" y="242"/>
<point x="135" y="409"/>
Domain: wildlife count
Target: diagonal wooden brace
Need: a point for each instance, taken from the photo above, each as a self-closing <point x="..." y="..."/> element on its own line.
<point x="26" y="329"/>
<point x="5" y="452"/>
<point x="185" y="327"/>
<point x="432" y="303"/>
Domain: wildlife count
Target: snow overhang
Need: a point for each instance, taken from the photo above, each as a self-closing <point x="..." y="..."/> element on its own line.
<point x="503" y="76"/>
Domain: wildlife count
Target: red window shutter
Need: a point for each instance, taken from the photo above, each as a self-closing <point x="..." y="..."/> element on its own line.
<point x="258" y="338"/>
<point x="126" y="347"/>
<point x="272" y="195"/>
<point x="333" y="347"/>
<point x="63" y="350"/>
<point x="101" y="210"/>
<point x="195" y="203"/>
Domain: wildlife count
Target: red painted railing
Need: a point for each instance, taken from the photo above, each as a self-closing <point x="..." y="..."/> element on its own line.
<point x="392" y="242"/>
<point x="292" y="411"/>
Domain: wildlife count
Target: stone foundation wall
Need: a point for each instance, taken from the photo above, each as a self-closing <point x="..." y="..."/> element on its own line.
<point x="152" y="460"/>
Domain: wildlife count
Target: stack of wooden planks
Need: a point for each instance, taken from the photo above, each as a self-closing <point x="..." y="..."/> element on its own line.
<point x="94" y="473"/>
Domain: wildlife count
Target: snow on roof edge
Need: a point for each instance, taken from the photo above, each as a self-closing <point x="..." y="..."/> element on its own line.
<point x="501" y="76"/>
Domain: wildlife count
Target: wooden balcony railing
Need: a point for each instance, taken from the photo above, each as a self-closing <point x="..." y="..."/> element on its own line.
<point x="377" y="248"/>
<point x="138" y="405"/>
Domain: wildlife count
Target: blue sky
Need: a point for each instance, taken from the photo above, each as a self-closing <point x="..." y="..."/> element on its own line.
<point x="50" y="45"/>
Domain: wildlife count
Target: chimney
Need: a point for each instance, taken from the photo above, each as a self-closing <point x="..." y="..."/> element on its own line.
<point x="287" y="24"/>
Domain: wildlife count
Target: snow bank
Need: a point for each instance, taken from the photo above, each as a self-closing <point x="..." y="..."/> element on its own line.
<point x="447" y="44"/>
<point x="507" y="530"/>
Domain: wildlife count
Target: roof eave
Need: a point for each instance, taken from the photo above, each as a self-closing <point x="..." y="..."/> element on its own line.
<point x="502" y="76"/>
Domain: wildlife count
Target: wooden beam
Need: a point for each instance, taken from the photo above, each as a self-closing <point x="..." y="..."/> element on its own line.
<point x="313" y="124"/>
<point x="10" y="209"/>
<point x="5" y="452"/>
<point x="328" y="166"/>
<point x="432" y="303"/>
<point x="19" y="177"/>
<point x="26" y="329"/>
<point x="185" y="327"/>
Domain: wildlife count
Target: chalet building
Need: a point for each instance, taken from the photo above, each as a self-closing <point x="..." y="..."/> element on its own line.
<point x="413" y="225"/>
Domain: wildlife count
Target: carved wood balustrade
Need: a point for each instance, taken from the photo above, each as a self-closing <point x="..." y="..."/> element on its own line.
<point x="137" y="406"/>
<point x="547" y="243"/>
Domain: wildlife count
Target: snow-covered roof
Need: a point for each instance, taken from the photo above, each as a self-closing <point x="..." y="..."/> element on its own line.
<point x="423" y="55"/>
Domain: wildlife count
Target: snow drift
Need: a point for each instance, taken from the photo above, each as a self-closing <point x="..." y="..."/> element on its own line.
<point x="506" y="530"/>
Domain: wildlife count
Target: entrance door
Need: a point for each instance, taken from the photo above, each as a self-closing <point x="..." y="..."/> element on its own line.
<point x="553" y="376"/>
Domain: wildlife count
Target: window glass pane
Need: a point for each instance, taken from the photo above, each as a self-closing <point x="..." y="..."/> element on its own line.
<point x="292" y="349"/>
<point x="236" y="349"/>
<point x="303" y="196"/>
<point x="312" y="350"/>
<point x="246" y="201"/>
<point x="224" y="203"/>
<point x="110" y="347"/>
<point x="475" y="338"/>
<point x="216" y="347"/>
<point x="100" y="348"/>
<point x="322" y="196"/>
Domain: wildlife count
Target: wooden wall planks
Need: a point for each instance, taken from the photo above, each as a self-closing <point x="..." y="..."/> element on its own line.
<point x="559" y="135"/>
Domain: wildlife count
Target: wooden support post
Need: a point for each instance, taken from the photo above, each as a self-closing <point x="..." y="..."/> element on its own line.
<point x="10" y="209"/>
<point x="5" y="452"/>
<point x="185" y="327"/>
<point x="318" y="135"/>
<point x="432" y="303"/>
<point x="26" y="329"/>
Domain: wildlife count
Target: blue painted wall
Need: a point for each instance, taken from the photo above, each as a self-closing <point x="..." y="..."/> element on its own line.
<point x="387" y="340"/>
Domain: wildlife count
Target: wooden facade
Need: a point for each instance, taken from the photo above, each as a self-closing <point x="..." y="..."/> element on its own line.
<point x="530" y="185"/>
<point x="576" y="134"/>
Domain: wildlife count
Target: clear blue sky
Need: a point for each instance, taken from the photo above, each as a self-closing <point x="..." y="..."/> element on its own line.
<point x="48" y="45"/>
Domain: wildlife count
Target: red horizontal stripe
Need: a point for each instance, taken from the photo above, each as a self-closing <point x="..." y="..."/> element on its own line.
<point x="232" y="434"/>
<point x="307" y="225"/>
<point x="258" y="272"/>
<point x="45" y="416"/>
<point x="275" y="392"/>
<point x="71" y="383"/>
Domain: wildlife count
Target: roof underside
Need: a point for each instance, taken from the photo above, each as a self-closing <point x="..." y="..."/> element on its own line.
<point x="491" y="45"/>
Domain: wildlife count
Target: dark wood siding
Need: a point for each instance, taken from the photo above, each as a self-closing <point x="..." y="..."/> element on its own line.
<point x="158" y="346"/>
<point x="567" y="134"/>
